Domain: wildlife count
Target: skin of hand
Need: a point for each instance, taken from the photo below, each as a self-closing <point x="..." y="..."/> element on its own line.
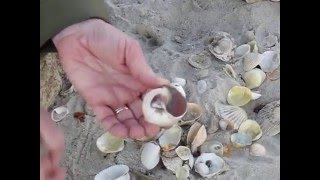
<point x="51" y="138"/>
<point x="109" y="71"/>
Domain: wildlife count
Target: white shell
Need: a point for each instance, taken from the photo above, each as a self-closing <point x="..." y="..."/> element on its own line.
<point x="240" y="140"/>
<point x="255" y="95"/>
<point x="179" y="88"/>
<point x="257" y="150"/>
<point x="191" y="161"/>
<point x="254" y="78"/>
<point x="234" y="114"/>
<point x="242" y="51"/>
<point x="199" y="139"/>
<point x="170" y="138"/>
<point x="183" y="152"/>
<point x="270" y="61"/>
<point x="116" y="172"/>
<point x="222" y="46"/>
<point x="251" y="128"/>
<point x="182" y="82"/>
<point x="108" y="143"/>
<point x="156" y="102"/>
<point x="150" y="155"/>
<point x="172" y="163"/>
<point x="251" y="61"/>
<point x="209" y="164"/>
<point x="269" y="118"/>
<point x="182" y="173"/>
<point x="230" y="71"/>
<point x="59" y="113"/>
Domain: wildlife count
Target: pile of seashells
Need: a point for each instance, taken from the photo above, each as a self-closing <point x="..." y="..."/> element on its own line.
<point x="182" y="143"/>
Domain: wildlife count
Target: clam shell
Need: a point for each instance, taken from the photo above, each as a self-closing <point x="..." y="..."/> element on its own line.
<point x="253" y="46"/>
<point x="209" y="164"/>
<point x="257" y="150"/>
<point x="59" y="113"/>
<point x="108" y="143"/>
<point x="150" y="155"/>
<point x="199" y="139"/>
<point x="191" y="161"/>
<point x="254" y="78"/>
<point x="193" y="132"/>
<point x="194" y="112"/>
<point x="234" y="114"/>
<point x="240" y="140"/>
<point x="222" y="46"/>
<point x="170" y="138"/>
<point x="115" y="172"/>
<point x="239" y="96"/>
<point x="269" y="118"/>
<point x="274" y="75"/>
<point x="183" y="152"/>
<point x="182" y="173"/>
<point x="229" y="71"/>
<point x="251" y="128"/>
<point x="251" y="61"/>
<point x="172" y="163"/>
<point x="200" y="61"/>
<point x="241" y="51"/>
<point x="212" y="147"/>
<point x="270" y="61"/>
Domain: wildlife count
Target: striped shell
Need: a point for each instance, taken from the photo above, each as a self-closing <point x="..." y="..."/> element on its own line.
<point x="236" y="115"/>
<point x="269" y="118"/>
<point x="251" y="61"/>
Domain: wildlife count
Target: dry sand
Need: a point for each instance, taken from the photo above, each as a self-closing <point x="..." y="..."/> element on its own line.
<point x="169" y="31"/>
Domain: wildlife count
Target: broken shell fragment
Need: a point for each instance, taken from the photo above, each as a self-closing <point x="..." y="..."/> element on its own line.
<point x="164" y="106"/>
<point x="251" y="128"/>
<point x="108" y="143"/>
<point x="269" y="118"/>
<point x="59" y="113"/>
<point x="116" y="172"/>
<point x="212" y="147"/>
<point x="242" y="51"/>
<point x="270" y="61"/>
<point x="254" y="78"/>
<point x="182" y="173"/>
<point x="197" y="135"/>
<point x="251" y="61"/>
<point x="200" y="61"/>
<point x="170" y="138"/>
<point x="239" y="96"/>
<point x="183" y="152"/>
<point x="232" y="114"/>
<point x="150" y="155"/>
<point x="194" y="112"/>
<point x="229" y="71"/>
<point x="209" y="164"/>
<point x="257" y="150"/>
<point x="240" y="140"/>
<point x="222" y="46"/>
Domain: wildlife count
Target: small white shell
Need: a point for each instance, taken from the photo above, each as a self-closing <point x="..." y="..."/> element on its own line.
<point x="222" y="46"/>
<point x="116" y="172"/>
<point x="242" y="51"/>
<point x="183" y="152"/>
<point x="240" y="140"/>
<point x="182" y="173"/>
<point x="108" y="143"/>
<point x="182" y="82"/>
<point x="59" y="113"/>
<point x="150" y="155"/>
<point x="251" y="128"/>
<point x="234" y="114"/>
<point x="254" y="78"/>
<point x="170" y="138"/>
<point x="209" y="164"/>
<point x="269" y="118"/>
<point x="212" y="147"/>
<point x="229" y="71"/>
<point x="270" y="61"/>
<point x="257" y="150"/>
<point x="223" y="124"/>
<point x="251" y="61"/>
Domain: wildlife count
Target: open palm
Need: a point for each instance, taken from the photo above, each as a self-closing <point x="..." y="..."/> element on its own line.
<point x="109" y="70"/>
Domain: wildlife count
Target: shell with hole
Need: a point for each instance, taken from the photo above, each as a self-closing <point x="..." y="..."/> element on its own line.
<point x="241" y="51"/>
<point x="251" y="61"/>
<point x="222" y="46"/>
<point x="251" y="128"/>
<point x="257" y="149"/>
<point x="115" y="172"/>
<point x="108" y="143"/>
<point x="170" y="138"/>
<point x="270" y="61"/>
<point x="182" y="173"/>
<point x="164" y="106"/>
<point x="200" y="61"/>
<point x="240" y="96"/>
<point x="254" y="78"/>
<point x="197" y="135"/>
<point x="150" y="155"/>
<point x="194" y="112"/>
<point x="234" y="114"/>
<point x="209" y="165"/>
<point x="212" y="147"/>
<point x="183" y="152"/>
<point x="269" y="118"/>
<point x="240" y="140"/>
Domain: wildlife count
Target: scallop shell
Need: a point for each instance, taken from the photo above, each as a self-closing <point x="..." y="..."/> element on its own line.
<point x="270" y="61"/>
<point x="275" y="75"/>
<point x="234" y="114"/>
<point x="172" y="163"/>
<point x="115" y="172"/>
<point x="209" y="164"/>
<point x="182" y="173"/>
<point x="269" y="118"/>
<point x="183" y="152"/>
<point x="150" y="155"/>
<point x="241" y="51"/>
<point x="170" y="138"/>
<point x="229" y="71"/>
<point x="251" y="61"/>
<point x="239" y="96"/>
<point x="222" y="46"/>
<point x="59" y="113"/>
<point x="240" y="140"/>
<point x="212" y="147"/>
<point x="194" y="112"/>
<point x="197" y="135"/>
<point x="251" y="128"/>
<point x="254" y="78"/>
<point x="200" y="61"/>
<point x="164" y="106"/>
<point x="257" y="150"/>
<point x="253" y="46"/>
<point x="108" y="143"/>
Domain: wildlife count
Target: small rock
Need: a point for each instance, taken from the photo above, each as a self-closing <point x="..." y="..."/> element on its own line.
<point x="202" y="86"/>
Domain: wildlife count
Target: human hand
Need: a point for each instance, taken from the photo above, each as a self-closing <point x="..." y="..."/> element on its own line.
<point x="108" y="69"/>
<point x="51" y="147"/>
